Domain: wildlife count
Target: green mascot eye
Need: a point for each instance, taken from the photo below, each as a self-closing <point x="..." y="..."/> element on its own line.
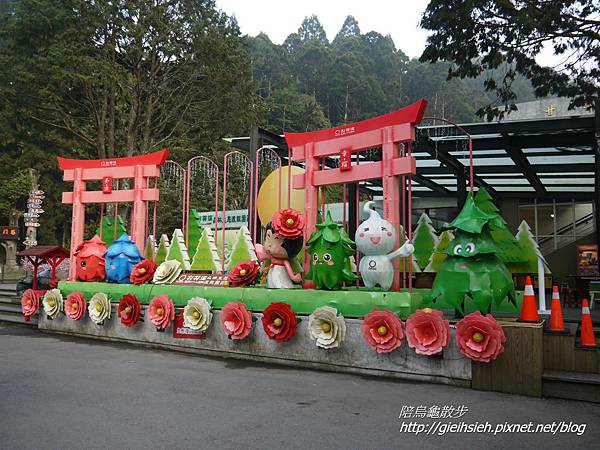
<point x="315" y="257"/>
<point x="458" y="249"/>
<point x="470" y="248"/>
<point x="326" y="257"/>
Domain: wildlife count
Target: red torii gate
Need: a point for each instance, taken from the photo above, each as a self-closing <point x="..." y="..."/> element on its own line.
<point x="387" y="132"/>
<point x="139" y="168"/>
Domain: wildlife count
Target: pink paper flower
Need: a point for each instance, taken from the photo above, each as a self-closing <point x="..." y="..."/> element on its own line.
<point x="480" y="337"/>
<point x="75" y="306"/>
<point x="30" y="303"/>
<point x="236" y="320"/>
<point x="427" y="332"/>
<point x="161" y="311"/>
<point x="382" y="330"/>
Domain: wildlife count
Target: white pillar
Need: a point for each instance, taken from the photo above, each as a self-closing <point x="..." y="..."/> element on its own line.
<point x="541" y="286"/>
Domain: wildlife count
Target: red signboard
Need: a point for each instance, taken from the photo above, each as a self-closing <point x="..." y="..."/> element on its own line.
<point x="345" y="159"/>
<point x="201" y="279"/>
<point x="9" y="233"/>
<point x="181" y="332"/>
<point x="107" y="185"/>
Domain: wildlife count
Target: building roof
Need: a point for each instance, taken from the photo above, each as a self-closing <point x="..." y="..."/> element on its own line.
<point x="45" y="251"/>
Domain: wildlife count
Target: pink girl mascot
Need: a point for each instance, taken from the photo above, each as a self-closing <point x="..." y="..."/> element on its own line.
<point x="283" y="241"/>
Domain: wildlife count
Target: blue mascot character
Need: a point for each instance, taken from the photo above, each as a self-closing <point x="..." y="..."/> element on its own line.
<point x="120" y="258"/>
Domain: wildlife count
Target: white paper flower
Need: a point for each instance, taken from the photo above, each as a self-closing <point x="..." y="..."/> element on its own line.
<point x="99" y="309"/>
<point x="53" y="303"/>
<point x="167" y="272"/>
<point x="196" y="314"/>
<point x="326" y="327"/>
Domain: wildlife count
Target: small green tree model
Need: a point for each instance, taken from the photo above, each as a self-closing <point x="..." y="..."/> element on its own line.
<point x="425" y="240"/>
<point x="206" y="258"/>
<point x="242" y="250"/>
<point x="162" y="250"/>
<point x="438" y="256"/>
<point x="194" y="231"/>
<point x="503" y="238"/>
<point x="530" y="252"/>
<point x="150" y="248"/>
<point x="108" y="230"/>
<point x="178" y="250"/>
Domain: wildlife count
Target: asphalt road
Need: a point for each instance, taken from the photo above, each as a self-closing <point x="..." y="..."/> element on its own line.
<point x="70" y="393"/>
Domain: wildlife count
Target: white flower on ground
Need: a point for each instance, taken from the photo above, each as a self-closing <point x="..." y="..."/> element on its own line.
<point x="99" y="309"/>
<point x="326" y="327"/>
<point x="53" y="303"/>
<point x="196" y="314"/>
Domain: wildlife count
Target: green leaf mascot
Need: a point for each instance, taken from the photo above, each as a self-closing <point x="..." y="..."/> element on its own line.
<point x="330" y="249"/>
<point x="472" y="269"/>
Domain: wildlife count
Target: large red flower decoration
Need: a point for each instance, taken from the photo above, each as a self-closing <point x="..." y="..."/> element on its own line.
<point x="480" y="337"/>
<point x="129" y="310"/>
<point x="279" y="321"/>
<point x="161" y="311"/>
<point x="244" y="273"/>
<point x="142" y="272"/>
<point x="30" y="303"/>
<point x="382" y="330"/>
<point x="236" y="320"/>
<point x="75" y="305"/>
<point x="427" y="332"/>
<point x="288" y="223"/>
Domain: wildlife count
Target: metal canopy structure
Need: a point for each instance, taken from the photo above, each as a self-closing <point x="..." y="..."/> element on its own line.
<point x="550" y="158"/>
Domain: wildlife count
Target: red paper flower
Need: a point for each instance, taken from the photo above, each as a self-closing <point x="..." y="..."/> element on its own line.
<point x="236" y="320"/>
<point x="244" y="273"/>
<point x="288" y="223"/>
<point x="480" y="337"/>
<point x="30" y="303"/>
<point x="129" y="310"/>
<point x="427" y="332"/>
<point x="161" y="311"/>
<point x="75" y="306"/>
<point x="279" y="321"/>
<point x="382" y="330"/>
<point x="142" y="272"/>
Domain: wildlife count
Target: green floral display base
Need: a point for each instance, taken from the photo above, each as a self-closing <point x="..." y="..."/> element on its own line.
<point x="351" y="302"/>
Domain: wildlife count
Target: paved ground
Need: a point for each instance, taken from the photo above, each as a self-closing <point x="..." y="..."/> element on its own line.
<point x="66" y="393"/>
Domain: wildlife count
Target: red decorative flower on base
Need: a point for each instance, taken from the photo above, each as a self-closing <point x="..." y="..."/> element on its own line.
<point x="288" y="223"/>
<point x="244" y="273"/>
<point x="30" y="304"/>
<point x="236" y="320"/>
<point x="129" y="310"/>
<point x="161" y="311"/>
<point x="279" y="321"/>
<point x="480" y="337"/>
<point x="142" y="272"/>
<point x="382" y="330"/>
<point x="75" y="306"/>
<point x="427" y="332"/>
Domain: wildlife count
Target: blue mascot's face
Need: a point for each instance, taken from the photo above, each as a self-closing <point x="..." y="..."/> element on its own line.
<point x="119" y="268"/>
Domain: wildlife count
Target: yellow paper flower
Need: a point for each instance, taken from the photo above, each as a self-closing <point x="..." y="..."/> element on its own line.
<point x="326" y="327"/>
<point x="53" y="303"/>
<point x="196" y="314"/>
<point x="99" y="309"/>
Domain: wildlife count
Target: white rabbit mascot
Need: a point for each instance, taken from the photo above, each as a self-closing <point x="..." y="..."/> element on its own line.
<point x="375" y="238"/>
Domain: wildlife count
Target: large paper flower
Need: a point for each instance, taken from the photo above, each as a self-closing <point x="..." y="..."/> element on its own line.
<point x="142" y="272"/>
<point x="288" y="223"/>
<point x="196" y="314"/>
<point x="326" y="327"/>
<point x="75" y="306"/>
<point x="161" y="311"/>
<point x="167" y="272"/>
<point x="99" y="309"/>
<point x="236" y="320"/>
<point x="480" y="337"/>
<point x="279" y="321"/>
<point x="129" y="310"/>
<point x="427" y="331"/>
<point x="53" y="303"/>
<point x="244" y="273"/>
<point x="29" y="303"/>
<point x="382" y="330"/>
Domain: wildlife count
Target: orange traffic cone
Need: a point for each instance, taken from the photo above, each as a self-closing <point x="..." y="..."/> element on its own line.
<point x="588" y="339"/>
<point x="556" y="316"/>
<point x="529" y="311"/>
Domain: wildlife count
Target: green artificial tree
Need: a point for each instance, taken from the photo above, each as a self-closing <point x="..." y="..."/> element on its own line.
<point x="194" y="231"/>
<point x="150" y="248"/>
<point x="206" y="258"/>
<point x="242" y="249"/>
<point x="438" y="255"/>
<point x="162" y="250"/>
<point x="108" y="230"/>
<point x="530" y="252"/>
<point x="178" y="250"/>
<point x="425" y="240"/>
<point x="509" y="251"/>
<point x="473" y="271"/>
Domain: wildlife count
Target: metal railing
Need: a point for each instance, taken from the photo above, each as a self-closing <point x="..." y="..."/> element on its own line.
<point x="567" y="234"/>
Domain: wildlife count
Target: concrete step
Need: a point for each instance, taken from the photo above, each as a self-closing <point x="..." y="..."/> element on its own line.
<point x="18" y="319"/>
<point x="10" y="308"/>
<point x="571" y="385"/>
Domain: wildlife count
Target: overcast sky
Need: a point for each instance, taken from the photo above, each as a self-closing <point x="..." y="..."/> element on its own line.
<point x="279" y="18"/>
